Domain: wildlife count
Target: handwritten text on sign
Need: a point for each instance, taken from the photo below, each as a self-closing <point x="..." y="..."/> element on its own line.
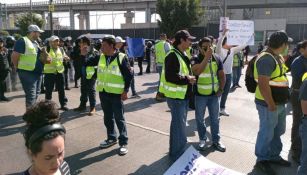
<point x="240" y="32"/>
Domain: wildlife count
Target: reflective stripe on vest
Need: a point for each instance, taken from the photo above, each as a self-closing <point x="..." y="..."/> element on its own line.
<point x="236" y="60"/>
<point x="276" y="80"/>
<point x="56" y="64"/>
<point x="27" y="60"/>
<point x="304" y="77"/>
<point x="109" y="77"/>
<point x="90" y="71"/>
<point x="188" y="52"/>
<point x="172" y="90"/>
<point x="207" y="82"/>
<point x="160" y="51"/>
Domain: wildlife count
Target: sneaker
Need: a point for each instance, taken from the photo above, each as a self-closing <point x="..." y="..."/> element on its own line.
<point x="265" y="167"/>
<point x="80" y="108"/>
<point x="123" y="150"/>
<point x="64" y="108"/>
<point x="202" y="144"/>
<point x="135" y="96"/>
<point x="219" y="147"/>
<point x="92" y="111"/>
<point x="107" y="143"/>
<point x="223" y="112"/>
<point x="281" y="162"/>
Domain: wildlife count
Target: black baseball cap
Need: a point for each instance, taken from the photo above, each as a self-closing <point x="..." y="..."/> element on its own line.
<point x="109" y="39"/>
<point x="184" y="34"/>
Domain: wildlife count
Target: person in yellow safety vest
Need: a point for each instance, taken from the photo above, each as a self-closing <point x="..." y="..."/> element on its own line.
<point x="162" y="47"/>
<point x="54" y="72"/>
<point x="88" y="77"/>
<point x="238" y="64"/>
<point x="272" y="94"/>
<point x="188" y="52"/>
<point x="302" y="170"/>
<point x="209" y="87"/>
<point x="176" y="84"/>
<point x="28" y="60"/>
<point x="113" y="81"/>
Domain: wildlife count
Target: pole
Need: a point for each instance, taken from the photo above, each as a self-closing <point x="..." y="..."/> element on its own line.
<point x="50" y="18"/>
<point x="31" y="11"/>
<point x="225" y="8"/>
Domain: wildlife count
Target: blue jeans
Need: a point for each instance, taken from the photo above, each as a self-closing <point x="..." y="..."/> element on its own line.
<point x="31" y="84"/>
<point x="178" y="138"/>
<point x="159" y="68"/>
<point x="212" y="102"/>
<point x="113" y="110"/>
<point x="55" y="79"/>
<point x="88" y="91"/>
<point x="272" y="126"/>
<point x="236" y="72"/>
<point x="226" y="91"/>
<point x="302" y="170"/>
<point x="133" y="85"/>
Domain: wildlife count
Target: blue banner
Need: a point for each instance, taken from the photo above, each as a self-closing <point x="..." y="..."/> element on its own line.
<point x="136" y="47"/>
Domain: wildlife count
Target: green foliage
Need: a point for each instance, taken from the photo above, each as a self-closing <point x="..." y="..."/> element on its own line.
<point x="4" y="33"/>
<point x="25" y="19"/>
<point x="17" y="36"/>
<point x="178" y="14"/>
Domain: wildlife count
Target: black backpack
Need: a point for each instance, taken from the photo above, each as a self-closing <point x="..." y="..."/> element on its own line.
<point x="250" y="82"/>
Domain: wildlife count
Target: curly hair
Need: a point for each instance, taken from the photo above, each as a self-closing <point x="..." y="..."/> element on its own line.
<point x="39" y="115"/>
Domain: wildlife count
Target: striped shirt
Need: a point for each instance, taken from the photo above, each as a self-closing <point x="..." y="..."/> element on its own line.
<point x="64" y="169"/>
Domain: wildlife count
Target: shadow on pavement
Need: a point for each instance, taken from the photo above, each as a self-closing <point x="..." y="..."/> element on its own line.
<point x="151" y="84"/>
<point x="157" y="167"/>
<point x="78" y="161"/>
<point x="139" y="105"/>
<point x="9" y="125"/>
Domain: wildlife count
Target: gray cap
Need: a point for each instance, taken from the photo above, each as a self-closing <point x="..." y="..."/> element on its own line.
<point x="34" y="28"/>
<point x="53" y="38"/>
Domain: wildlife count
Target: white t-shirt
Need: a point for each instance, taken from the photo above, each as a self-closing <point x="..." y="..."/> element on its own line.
<point x="222" y="53"/>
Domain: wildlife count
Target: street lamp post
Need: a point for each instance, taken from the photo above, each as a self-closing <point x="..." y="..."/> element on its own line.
<point x="50" y="17"/>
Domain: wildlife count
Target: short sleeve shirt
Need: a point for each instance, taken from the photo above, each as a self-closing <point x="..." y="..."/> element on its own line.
<point x="198" y="59"/>
<point x="20" y="47"/>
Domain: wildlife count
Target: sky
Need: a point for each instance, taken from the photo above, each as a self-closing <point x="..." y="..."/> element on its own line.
<point x="99" y="19"/>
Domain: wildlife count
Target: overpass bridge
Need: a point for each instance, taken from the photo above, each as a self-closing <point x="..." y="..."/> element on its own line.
<point x="214" y="8"/>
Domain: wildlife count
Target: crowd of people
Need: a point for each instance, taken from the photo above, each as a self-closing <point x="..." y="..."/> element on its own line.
<point x="202" y="77"/>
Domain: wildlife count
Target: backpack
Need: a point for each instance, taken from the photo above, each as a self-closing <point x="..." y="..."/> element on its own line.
<point x="250" y="82"/>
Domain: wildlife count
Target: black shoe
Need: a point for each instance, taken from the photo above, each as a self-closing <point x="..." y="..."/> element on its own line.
<point x="107" y="143"/>
<point x="64" y="108"/>
<point x="67" y="88"/>
<point x="80" y="108"/>
<point x="219" y="147"/>
<point x="140" y="73"/>
<point x="76" y="86"/>
<point x="4" y="99"/>
<point x="265" y="167"/>
<point x="281" y="162"/>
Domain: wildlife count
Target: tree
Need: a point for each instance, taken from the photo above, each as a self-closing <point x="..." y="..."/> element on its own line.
<point x="25" y="19"/>
<point x="178" y="14"/>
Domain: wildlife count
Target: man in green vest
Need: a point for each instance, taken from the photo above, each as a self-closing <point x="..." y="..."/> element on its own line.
<point x="302" y="170"/>
<point x="162" y="47"/>
<point x="176" y="84"/>
<point x="209" y="87"/>
<point x="113" y="80"/>
<point x="54" y="72"/>
<point x="272" y="94"/>
<point x="238" y="64"/>
<point x="28" y="62"/>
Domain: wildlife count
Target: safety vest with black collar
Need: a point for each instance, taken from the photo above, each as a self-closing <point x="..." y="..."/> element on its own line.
<point x="27" y="60"/>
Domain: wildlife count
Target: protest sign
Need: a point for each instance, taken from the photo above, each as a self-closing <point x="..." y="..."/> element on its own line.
<point x="193" y="163"/>
<point x="240" y="32"/>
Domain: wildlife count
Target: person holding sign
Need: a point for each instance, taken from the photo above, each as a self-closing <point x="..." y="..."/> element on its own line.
<point x="226" y="53"/>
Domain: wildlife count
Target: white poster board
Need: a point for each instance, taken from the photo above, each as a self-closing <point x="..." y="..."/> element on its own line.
<point x="240" y="32"/>
<point x="193" y="163"/>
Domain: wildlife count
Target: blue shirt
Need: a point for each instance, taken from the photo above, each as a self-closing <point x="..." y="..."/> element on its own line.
<point x="20" y="47"/>
<point x="299" y="67"/>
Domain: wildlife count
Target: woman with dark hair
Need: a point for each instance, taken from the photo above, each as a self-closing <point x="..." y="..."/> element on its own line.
<point x="44" y="138"/>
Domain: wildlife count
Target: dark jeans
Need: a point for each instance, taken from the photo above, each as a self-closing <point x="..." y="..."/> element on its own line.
<point x="178" y="137"/>
<point x="66" y="68"/>
<point x="148" y="65"/>
<point x="2" y="88"/>
<point x="236" y="72"/>
<point x="226" y="91"/>
<point x="88" y="91"/>
<point x="55" y="79"/>
<point x="133" y="85"/>
<point x="140" y="64"/>
<point x="296" y="144"/>
<point x="113" y="109"/>
<point x="31" y="84"/>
